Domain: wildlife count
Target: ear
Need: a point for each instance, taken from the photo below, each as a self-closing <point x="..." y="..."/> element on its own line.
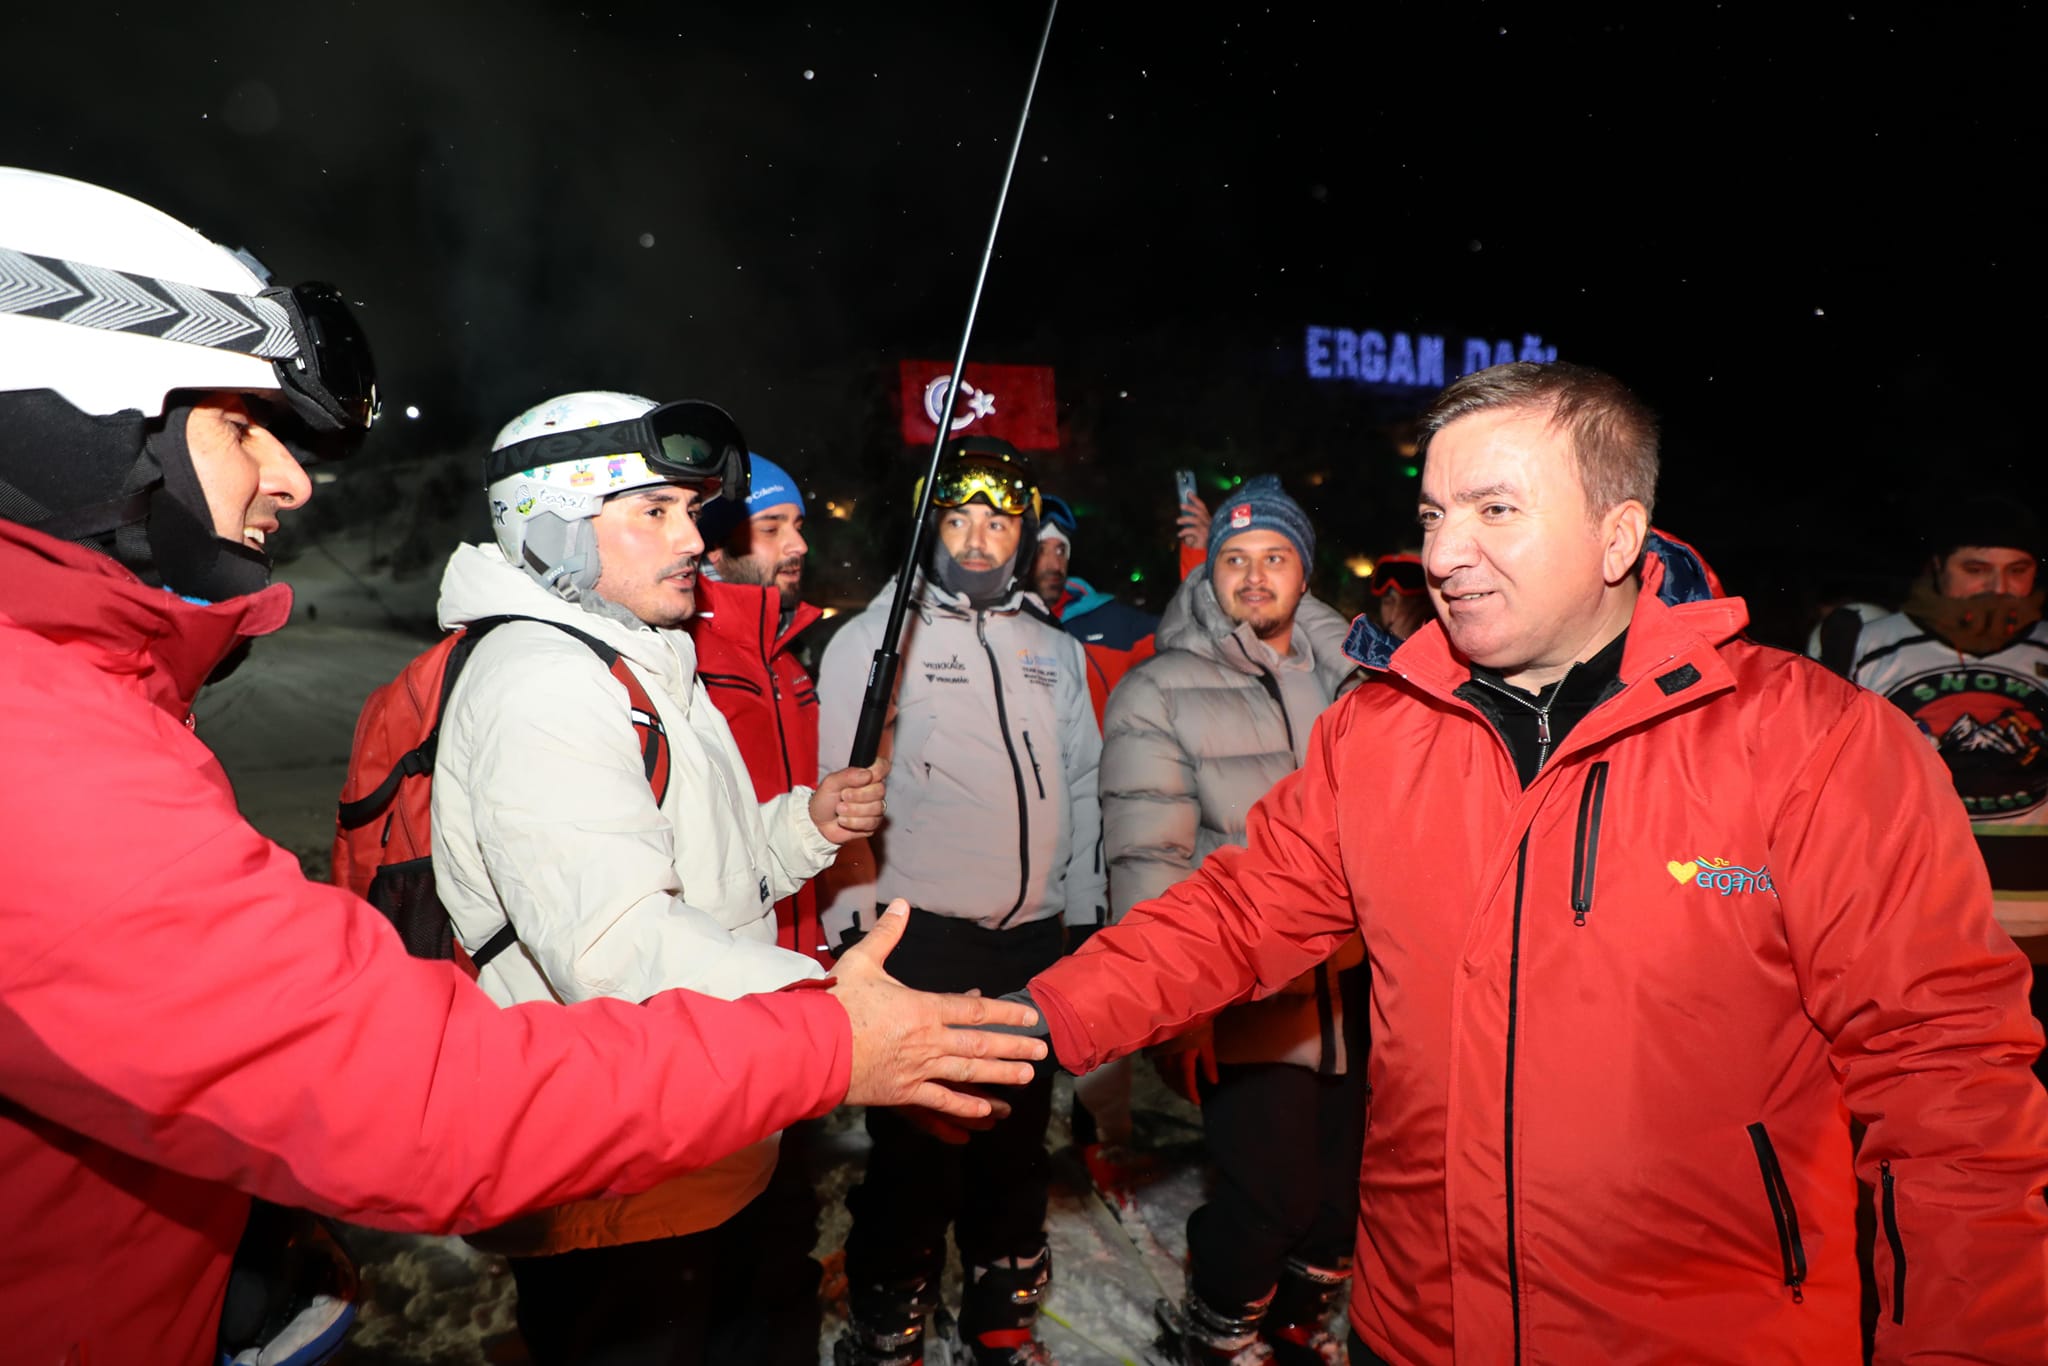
<point x="1623" y="530"/>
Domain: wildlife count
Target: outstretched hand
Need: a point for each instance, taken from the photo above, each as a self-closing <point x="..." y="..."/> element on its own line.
<point x="1193" y="523"/>
<point x="848" y="804"/>
<point x="916" y="1047"/>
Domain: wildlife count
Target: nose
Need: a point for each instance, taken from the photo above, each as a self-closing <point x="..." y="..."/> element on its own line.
<point x="279" y="474"/>
<point x="795" y="545"/>
<point x="687" y="540"/>
<point x="1446" y="547"/>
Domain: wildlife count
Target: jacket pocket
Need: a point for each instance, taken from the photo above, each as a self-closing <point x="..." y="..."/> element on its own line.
<point x="1586" y="843"/>
<point x="1783" y="1213"/>
<point x="1898" y="1244"/>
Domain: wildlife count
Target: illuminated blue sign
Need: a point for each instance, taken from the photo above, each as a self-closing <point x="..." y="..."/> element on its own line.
<point x="1402" y="360"/>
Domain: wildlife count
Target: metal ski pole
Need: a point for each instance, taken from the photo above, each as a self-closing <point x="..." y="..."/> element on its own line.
<point x="874" y="706"/>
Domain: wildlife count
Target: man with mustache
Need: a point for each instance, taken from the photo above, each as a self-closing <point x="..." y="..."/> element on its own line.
<point x="551" y="840"/>
<point x="749" y="615"/>
<point x="995" y="841"/>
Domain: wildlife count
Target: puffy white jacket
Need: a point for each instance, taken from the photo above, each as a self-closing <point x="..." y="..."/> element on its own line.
<point x="993" y="815"/>
<point x="542" y="816"/>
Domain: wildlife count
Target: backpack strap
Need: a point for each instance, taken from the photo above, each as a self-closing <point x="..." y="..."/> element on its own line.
<point x="647" y="723"/>
<point x="419" y="759"/>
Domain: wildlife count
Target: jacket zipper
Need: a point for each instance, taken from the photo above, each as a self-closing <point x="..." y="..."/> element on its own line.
<point x="1542" y="712"/>
<point x="1790" y="1249"/>
<point x="1016" y="774"/>
<point x="775" y="696"/>
<point x="1508" y="1142"/>
<point x="1272" y="686"/>
<point x="1036" y="775"/>
<point x="1891" y="1235"/>
<point x="1586" y="844"/>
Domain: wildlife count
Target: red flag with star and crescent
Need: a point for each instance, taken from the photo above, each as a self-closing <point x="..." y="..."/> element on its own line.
<point x="1014" y="402"/>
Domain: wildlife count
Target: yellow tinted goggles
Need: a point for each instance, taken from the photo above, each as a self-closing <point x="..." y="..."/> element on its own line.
<point x="1004" y="487"/>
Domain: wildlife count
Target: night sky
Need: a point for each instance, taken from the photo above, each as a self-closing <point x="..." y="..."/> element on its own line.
<point x="1801" y="238"/>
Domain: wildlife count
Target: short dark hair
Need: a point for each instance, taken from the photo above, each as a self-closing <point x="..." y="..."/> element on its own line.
<point x="1614" y="433"/>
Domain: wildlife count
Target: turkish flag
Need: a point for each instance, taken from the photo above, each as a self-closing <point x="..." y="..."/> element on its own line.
<point x="1013" y="402"/>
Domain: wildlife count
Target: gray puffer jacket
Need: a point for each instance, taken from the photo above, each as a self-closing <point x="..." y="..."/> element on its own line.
<point x="1192" y="738"/>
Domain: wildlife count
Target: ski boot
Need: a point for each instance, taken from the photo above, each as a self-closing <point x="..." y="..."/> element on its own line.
<point x="1298" y="1326"/>
<point x="886" y="1324"/>
<point x="1197" y="1333"/>
<point x="999" y="1308"/>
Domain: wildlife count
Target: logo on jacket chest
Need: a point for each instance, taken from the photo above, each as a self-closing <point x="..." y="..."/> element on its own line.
<point x="1044" y="670"/>
<point x="1720" y="875"/>
<point x="943" y="670"/>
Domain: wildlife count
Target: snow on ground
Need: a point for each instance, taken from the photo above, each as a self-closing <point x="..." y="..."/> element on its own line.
<point x="282" y="725"/>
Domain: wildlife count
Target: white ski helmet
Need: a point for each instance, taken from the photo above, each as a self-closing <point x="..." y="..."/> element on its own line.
<point x="551" y="469"/>
<point x="113" y="304"/>
<point x="109" y="308"/>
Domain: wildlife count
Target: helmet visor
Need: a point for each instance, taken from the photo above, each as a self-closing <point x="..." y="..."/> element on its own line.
<point x="1004" y="486"/>
<point x="690" y="442"/>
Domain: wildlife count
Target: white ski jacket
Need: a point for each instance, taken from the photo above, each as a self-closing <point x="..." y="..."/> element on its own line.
<point x="993" y="814"/>
<point x="542" y="816"/>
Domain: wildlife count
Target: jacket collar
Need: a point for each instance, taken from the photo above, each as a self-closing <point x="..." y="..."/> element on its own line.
<point x="81" y="599"/>
<point x="932" y="600"/>
<point x="1082" y="597"/>
<point x="480" y="582"/>
<point x="747" y="614"/>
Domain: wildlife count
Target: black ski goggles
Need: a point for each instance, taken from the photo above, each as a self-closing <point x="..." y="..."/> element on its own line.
<point x="1003" y="483"/>
<point x="690" y="441"/>
<point x="307" y="332"/>
<point x="331" y="381"/>
<point x="1398" y="574"/>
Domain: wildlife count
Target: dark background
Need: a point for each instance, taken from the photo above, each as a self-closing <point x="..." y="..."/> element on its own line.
<point x="1800" y="235"/>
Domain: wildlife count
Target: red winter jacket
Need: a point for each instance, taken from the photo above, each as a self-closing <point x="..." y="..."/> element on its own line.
<point x="1622" y="1019"/>
<point x="184" y="1018"/>
<point x="771" y="704"/>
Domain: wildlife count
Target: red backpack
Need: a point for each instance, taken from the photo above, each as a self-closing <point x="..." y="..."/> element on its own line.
<point x="390" y="864"/>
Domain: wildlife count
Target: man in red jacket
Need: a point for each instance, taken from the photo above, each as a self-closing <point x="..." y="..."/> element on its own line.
<point x="1653" y="914"/>
<point x="185" y="1021"/>
<point x="749" y="614"/>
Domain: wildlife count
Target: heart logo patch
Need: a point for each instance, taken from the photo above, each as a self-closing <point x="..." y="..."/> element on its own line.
<point x="1682" y="872"/>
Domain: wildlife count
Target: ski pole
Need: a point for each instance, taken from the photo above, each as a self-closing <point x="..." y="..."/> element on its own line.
<point x="874" y="705"/>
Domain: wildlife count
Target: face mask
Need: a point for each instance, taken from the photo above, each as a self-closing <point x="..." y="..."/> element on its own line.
<point x="1981" y="625"/>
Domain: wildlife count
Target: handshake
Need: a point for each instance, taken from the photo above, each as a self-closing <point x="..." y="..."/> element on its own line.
<point x="925" y="1050"/>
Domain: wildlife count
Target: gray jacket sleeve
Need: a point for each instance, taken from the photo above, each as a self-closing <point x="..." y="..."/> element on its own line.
<point x="1150" y="812"/>
<point x="1081" y="756"/>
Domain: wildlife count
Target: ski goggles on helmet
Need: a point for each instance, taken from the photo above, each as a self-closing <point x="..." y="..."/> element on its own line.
<point x="331" y="379"/>
<point x="1398" y="574"/>
<point x="307" y="332"/>
<point x="998" y="479"/>
<point x="689" y="442"/>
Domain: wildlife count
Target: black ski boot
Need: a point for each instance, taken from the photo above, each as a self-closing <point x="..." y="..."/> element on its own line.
<point x="886" y="1324"/>
<point x="1298" y="1326"/>
<point x="1197" y="1333"/>
<point x="999" y="1308"/>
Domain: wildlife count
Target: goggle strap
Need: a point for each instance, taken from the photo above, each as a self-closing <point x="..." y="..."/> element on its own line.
<point x="108" y="300"/>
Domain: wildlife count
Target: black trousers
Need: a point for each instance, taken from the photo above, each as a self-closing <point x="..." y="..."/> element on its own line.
<point x="1285" y="1144"/>
<point x="741" y="1294"/>
<point x="992" y="1189"/>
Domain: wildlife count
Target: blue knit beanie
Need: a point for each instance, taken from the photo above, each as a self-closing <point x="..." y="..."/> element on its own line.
<point x="768" y="485"/>
<point x="1260" y="504"/>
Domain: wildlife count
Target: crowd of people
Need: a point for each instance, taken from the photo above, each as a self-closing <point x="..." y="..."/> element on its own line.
<point x="1551" y="964"/>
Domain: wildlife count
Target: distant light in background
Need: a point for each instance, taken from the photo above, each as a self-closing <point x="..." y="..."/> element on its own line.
<point x="323" y="476"/>
<point x="829" y="612"/>
<point x="1137" y="576"/>
<point x="808" y="73"/>
<point x="1361" y="566"/>
<point x="1412" y="471"/>
<point x="1315" y="480"/>
<point x="411" y="411"/>
<point x="842" y="511"/>
<point x="646" y="239"/>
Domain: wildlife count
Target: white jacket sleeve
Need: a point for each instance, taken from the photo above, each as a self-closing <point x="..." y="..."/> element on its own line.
<point x="1081" y="754"/>
<point x="579" y="855"/>
<point x="797" y="850"/>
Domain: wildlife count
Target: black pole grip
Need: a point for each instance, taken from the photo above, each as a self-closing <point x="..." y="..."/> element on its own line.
<point x="874" y="708"/>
